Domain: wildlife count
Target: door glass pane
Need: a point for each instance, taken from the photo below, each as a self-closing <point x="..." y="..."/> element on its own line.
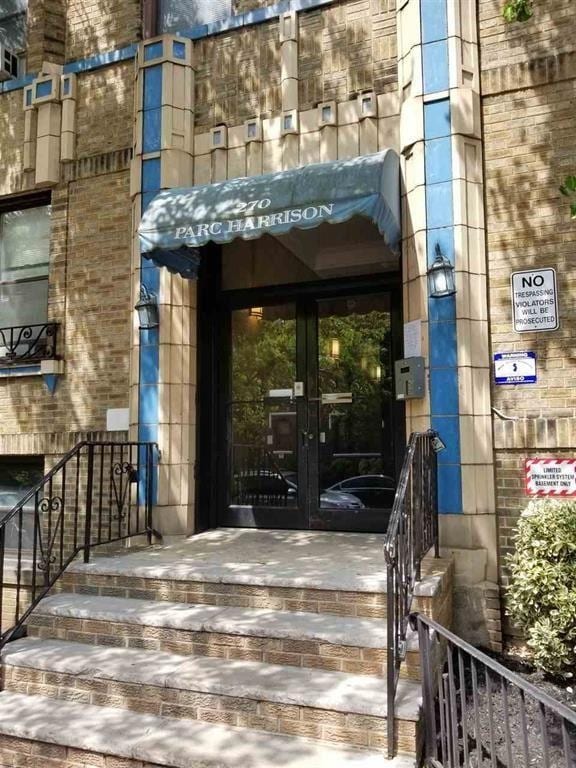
<point x="356" y="463"/>
<point x="264" y="461"/>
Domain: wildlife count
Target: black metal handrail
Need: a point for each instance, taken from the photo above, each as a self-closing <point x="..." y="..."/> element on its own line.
<point x="411" y="533"/>
<point x="28" y="343"/>
<point x="98" y="493"/>
<point x="478" y="712"/>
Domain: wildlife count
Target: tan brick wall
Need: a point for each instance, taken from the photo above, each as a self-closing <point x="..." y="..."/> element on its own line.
<point x="11" y="142"/>
<point x="46" y="33"/>
<point x="529" y="89"/>
<point x="346" y="48"/>
<point x="90" y="283"/>
<point x="105" y="110"/>
<point x="100" y="26"/>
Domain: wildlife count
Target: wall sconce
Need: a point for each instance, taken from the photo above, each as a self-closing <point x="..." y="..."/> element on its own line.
<point x="441" y="279"/>
<point x="377" y="372"/>
<point x="257" y="312"/>
<point x="334" y="349"/>
<point x="147" y="308"/>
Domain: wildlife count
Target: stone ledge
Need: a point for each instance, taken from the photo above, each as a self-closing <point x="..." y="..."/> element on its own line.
<point x="164" y="741"/>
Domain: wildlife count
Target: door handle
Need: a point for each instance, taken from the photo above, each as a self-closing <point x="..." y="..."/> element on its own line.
<point x="306" y="437"/>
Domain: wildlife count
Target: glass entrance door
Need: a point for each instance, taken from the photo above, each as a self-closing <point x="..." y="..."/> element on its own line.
<point x="309" y="415"/>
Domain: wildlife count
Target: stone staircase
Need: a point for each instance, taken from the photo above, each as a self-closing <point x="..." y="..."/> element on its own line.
<point x="233" y="648"/>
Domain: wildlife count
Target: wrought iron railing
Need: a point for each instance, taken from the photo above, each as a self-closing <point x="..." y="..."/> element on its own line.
<point x="482" y="714"/>
<point x="411" y="534"/>
<point x="28" y="343"/>
<point x="99" y="493"/>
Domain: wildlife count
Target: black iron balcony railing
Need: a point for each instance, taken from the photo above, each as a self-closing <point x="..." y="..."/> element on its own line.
<point x="97" y="494"/>
<point x="412" y="533"/>
<point x="28" y="343"/>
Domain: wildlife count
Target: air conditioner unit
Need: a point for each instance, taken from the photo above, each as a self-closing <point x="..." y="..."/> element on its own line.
<point x="8" y="64"/>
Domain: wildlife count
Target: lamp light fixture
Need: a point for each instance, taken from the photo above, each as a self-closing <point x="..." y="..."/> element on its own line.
<point x="147" y="308"/>
<point x="257" y="312"/>
<point x="334" y="349"/>
<point x="441" y="278"/>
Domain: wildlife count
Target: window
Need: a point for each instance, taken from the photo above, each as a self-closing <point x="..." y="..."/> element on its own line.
<point x="176" y="15"/>
<point x="13" y="28"/>
<point x="18" y="475"/>
<point x="24" y="255"/>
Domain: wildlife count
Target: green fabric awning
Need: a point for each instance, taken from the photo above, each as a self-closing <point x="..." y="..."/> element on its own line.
<point x="178" y="221"/>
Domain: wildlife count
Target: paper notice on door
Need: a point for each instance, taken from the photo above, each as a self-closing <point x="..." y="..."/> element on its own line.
<point x="413" y="338"/>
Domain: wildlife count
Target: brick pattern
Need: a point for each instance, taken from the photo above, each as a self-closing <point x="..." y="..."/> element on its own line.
<point x="46" y="33"/>
<point x="291" y="720"/>
<point x="23" y="753"/>
<point x="11" y="142"/>
<point x="529" y="85"/>
<point x="98" y="27"/>
<point x="294" y="653"/>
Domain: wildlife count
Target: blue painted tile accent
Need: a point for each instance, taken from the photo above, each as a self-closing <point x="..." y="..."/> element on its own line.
<point x="66" y="86"/>
<point x="16" y="85"/>
<point x="20" y="370"/>
<point x="435" y="68"/>
<point x="449" y="489"/>
<point x="149" y="337"/>
<point x="152" y="130"/>
<point x="443" y="237"/>
<point x="434" y="20"/>
<point x="102" y="59"/>
<point x="28" y="98"/>
<point x="438" y="154"/>
<point x="147" y="198"/>
<point x="439" y="211"/>
<point x="149" y="365"/>
<point x="150" y="276"/>
<point x="148" y="404"/>
<point x="43" y="89"/>
<point x="448" y="427"/>
<point x="443" y="350"/>
<point x="148" y="433"/>
<point x="444" y="391"/>
<point x="153" y="87"/>
<point x="437" y="119"/>
<point x="178" y="50"/>
<point x="153" y="50"/>
<point x="151" y="175"/>
<point x="441" y="310"/>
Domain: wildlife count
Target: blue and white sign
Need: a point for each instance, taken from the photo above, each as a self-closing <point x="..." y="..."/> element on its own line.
<point x="515" y="367"/>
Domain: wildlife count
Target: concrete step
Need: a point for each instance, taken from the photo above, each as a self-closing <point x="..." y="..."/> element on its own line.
<point x="335" y="643"/>
<point x="279" y="570"/>
<point x="31" y="726"/>
<point x="328" y="706"/>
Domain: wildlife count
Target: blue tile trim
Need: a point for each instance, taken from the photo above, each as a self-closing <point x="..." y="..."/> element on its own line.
<point x="436" y="71"/>
<point x="151" y="175"/>
<point x="437" y="119"/>
<point x="102" y="59"/>
<point x="438" y="160"/>
<point x="449" y="489"/>
<point x="439" y="206"/>
<point x="443" y="350"/>
<point x="448" y="427"/>
<point x="21" y="370"/>
<point x="434" y="20"/>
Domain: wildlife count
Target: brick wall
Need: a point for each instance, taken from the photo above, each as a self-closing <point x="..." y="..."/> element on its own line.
<point x="11" y="141"/>
<point x="46" y="36"/>
<point x="529" y="93"/>
<point x="343" y="49"/>
<point x="97" y="26"/>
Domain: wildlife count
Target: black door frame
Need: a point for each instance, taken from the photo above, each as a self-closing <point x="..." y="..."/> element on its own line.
<point x="213" y="366"/>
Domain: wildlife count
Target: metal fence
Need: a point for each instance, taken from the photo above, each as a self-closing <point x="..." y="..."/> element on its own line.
<point x="99" y="493"/>
<point x="479" y="714"/>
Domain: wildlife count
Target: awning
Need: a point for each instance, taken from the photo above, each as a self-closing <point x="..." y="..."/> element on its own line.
<point x="178" y="220"/>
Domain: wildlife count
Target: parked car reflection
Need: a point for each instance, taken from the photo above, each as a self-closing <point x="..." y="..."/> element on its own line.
<point x="263" y="487"/>
<point x="376" y="491"/>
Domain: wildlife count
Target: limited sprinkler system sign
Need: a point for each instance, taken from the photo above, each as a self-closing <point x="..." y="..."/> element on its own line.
<point x="535" y="300"/>
<point x="551" y="477"/>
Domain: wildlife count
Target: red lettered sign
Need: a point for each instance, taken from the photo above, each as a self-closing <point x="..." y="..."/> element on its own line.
<point x="551" y="477"/>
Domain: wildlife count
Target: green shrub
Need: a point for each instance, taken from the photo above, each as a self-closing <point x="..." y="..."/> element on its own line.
<point x="542" y="594"/>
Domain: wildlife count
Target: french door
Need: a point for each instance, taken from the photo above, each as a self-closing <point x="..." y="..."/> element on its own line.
<point x="309" y="427"/>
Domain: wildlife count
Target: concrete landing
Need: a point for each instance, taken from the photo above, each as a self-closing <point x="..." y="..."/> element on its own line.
<point x="254" y="680"/>
<point x="178" y="743"/>
<point x="351" y="562"/>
